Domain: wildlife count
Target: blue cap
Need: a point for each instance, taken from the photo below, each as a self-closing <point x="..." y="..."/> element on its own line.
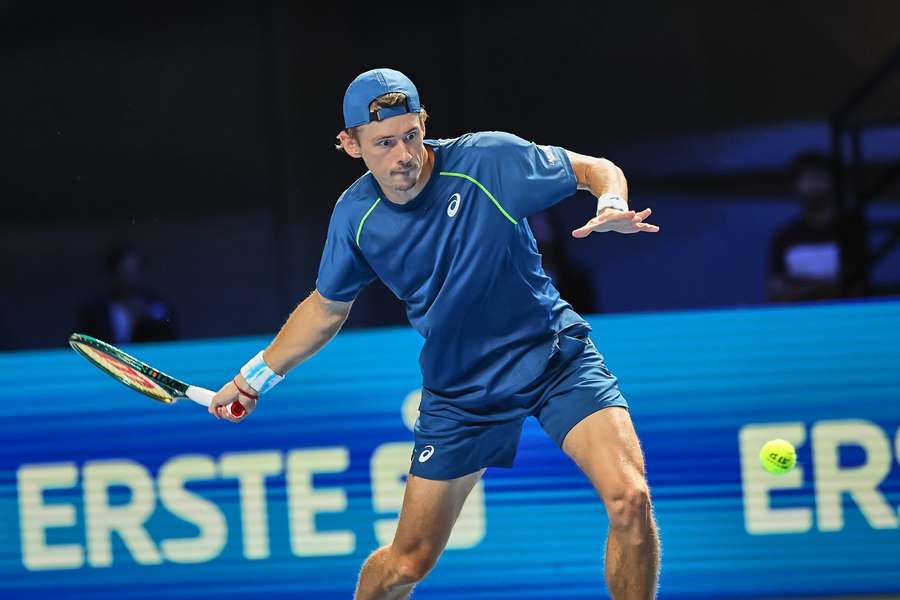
<point x="372" y="84"/>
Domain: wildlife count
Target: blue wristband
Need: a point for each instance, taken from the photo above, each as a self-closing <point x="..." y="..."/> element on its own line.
<point x="258" y="374"/>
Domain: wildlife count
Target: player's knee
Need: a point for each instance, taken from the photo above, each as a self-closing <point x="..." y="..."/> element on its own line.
<point x="630" y="511"/>
<point x="412" y="567"/>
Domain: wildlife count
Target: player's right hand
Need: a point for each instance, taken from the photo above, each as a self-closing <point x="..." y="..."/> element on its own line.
<point x="220" y="407"/>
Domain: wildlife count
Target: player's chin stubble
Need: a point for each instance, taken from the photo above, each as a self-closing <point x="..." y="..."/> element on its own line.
<point x="404" y="182"/>
<point x="405" y="187"/>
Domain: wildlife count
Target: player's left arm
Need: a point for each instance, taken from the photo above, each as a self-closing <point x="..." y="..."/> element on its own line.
<point x="607" y="182"/>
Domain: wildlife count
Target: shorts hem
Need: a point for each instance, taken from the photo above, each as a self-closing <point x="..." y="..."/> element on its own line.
<point x="447" y="475"/>
<point x="618" y="400"/>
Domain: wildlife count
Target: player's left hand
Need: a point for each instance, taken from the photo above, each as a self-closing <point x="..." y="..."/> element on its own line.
<point x="611" y="219"/>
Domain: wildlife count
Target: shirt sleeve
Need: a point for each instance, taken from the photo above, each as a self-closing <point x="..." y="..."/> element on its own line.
<point x="532" y="177"/>
<point x="343" y="270"/>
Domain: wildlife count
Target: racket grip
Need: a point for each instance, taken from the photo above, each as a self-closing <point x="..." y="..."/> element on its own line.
<point x="204" y="397"/>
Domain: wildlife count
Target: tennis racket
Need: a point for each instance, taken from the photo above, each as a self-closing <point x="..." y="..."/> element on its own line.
<point x="140" y="376"/>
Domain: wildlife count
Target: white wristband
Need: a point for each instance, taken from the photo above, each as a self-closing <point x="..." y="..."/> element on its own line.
<point x="611" y="201"/>
<point x="258" y="374"/>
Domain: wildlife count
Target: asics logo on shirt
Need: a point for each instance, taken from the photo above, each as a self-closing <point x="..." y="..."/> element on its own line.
<point x="453" y="207"/>
<point x="426" y="453"/>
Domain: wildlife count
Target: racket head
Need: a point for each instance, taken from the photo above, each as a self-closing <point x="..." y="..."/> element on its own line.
<point x="128" y="370"/>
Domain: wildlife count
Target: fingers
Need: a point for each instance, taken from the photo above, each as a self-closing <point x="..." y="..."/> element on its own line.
<point x="225" y="412"/>
<point x="639" y="224"/>
<point x="225" y="396"/>
<point x="619" y="221"/>
<point x="220" y="407"/>
<point x="586" y="229"/>
<point x="611" y="214"/>
<point x="582" y="232"/>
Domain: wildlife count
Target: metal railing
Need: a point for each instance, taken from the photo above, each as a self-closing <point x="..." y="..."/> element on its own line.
<point x="849" y="126"/>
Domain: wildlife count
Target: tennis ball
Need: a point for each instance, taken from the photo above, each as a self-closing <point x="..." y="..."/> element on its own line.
<point x="778" y="456"/>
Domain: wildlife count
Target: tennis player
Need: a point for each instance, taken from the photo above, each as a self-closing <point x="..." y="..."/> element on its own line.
<point x="443" y="223"/>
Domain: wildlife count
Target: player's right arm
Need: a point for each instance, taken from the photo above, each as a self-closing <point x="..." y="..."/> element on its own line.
<point x="343" y="273"/>
<point x="311" y="325"/>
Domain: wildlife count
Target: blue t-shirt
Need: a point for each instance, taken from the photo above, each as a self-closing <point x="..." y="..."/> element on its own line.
<point x="462" y="257"/>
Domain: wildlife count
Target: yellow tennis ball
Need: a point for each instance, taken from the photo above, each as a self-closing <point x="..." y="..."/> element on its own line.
<point x="778" y="456"/>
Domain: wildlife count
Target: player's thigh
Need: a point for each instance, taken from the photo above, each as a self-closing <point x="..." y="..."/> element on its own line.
<point x="605" y="446"/>
<point x="430" y="508"/>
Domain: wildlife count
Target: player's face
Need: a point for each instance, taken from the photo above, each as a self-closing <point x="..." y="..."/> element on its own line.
<point x="394" y="151"/>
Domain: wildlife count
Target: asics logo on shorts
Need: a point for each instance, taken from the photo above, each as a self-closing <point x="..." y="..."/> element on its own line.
<point x="453" y="207"/>
<point x="426" y="453"/>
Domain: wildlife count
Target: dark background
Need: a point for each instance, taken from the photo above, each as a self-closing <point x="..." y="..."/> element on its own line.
<point x="201" y="133"/>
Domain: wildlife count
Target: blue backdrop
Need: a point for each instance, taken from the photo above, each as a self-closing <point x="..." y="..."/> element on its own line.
<point x="106" y="494"/>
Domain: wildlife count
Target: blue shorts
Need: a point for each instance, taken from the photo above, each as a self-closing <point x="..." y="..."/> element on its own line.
<point x="575" y="384"/>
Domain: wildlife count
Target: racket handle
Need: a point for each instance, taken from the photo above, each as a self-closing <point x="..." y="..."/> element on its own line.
<point x="204" y="397"/>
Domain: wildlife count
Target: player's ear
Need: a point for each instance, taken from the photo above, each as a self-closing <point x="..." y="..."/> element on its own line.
<point x="349" y="143"/>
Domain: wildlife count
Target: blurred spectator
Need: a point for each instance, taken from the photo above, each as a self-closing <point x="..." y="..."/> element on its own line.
<point x="128" y="311"/>
<point x="574" y="282"/>
<point x="805" y="254"/>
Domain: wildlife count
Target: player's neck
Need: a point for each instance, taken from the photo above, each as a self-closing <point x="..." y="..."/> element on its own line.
<point x="402" y="197"/>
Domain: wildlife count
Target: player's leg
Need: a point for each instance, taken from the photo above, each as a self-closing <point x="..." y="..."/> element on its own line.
<point x="604" y="445"/>
<point x="430" y="508"/>
<point x="449" y="457"/>
<point x="585" y="414"/>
